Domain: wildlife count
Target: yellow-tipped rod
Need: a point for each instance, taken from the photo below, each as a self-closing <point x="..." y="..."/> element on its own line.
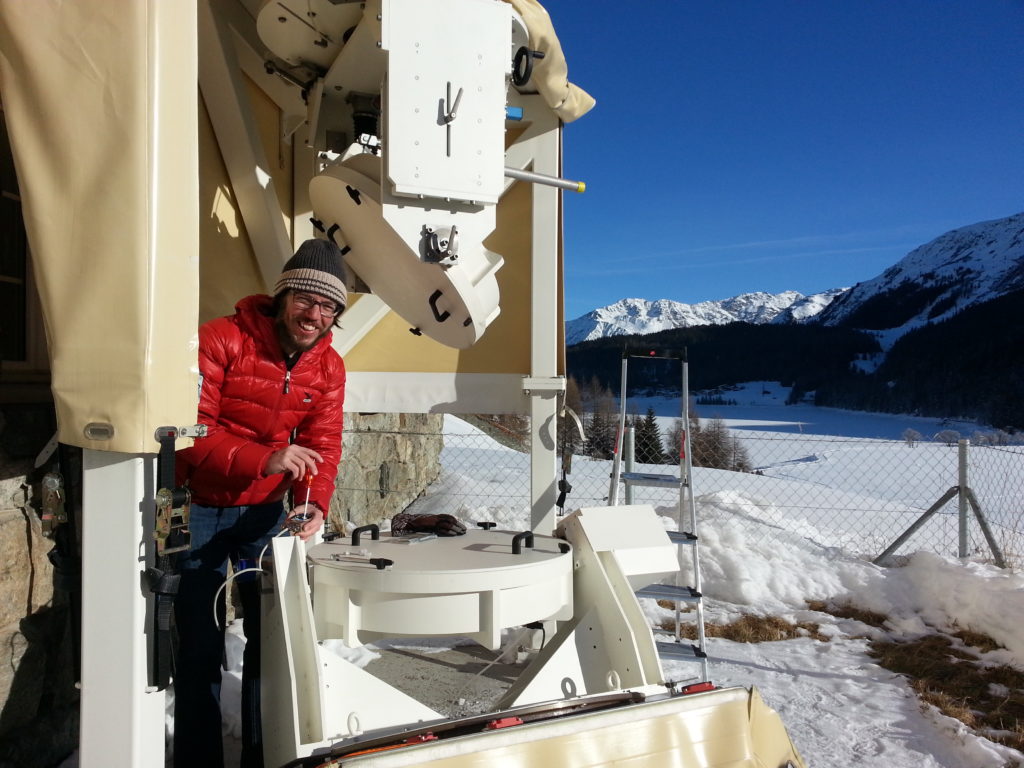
<point x="540" y="178"/>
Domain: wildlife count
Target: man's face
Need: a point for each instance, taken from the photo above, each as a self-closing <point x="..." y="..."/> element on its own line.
<point x="303" y="319"/>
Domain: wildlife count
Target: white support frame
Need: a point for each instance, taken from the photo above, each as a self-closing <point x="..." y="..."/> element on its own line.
<point x="539" y="150"/>
<point x="122" y="719"/>
<point x="235" y="128"/>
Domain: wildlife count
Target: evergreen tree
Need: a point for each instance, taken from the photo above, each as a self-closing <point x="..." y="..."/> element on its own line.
<point x="649" y="448"/>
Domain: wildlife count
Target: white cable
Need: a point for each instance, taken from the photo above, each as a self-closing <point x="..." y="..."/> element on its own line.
<point x="259" y="560"/>
<point x="228" y="580"/>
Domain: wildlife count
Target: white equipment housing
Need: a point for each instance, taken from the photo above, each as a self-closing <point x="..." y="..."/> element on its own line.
<point x="412" y="199"/>
<point x="475" y="586"/>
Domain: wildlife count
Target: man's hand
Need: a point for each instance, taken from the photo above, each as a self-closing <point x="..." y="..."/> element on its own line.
<point x="442" y="525"/>
<point x="307" y="529"/>
<point x="293" y="460"/>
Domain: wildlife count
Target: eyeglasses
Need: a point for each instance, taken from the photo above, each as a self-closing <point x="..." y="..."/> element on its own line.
<point x="304" y="301"/>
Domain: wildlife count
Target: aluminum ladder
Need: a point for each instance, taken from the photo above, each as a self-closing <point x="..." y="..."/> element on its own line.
<point x="686" y="536"/>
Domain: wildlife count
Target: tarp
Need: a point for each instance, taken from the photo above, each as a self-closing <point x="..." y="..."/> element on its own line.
<point x="551" y="73"/>
<point x="101" y="107"/>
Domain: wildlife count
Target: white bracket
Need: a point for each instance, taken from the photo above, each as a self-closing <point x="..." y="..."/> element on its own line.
<point x="543" y="384"/>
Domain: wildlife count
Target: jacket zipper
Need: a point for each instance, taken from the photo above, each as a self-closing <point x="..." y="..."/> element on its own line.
<point x="287" y="381"/>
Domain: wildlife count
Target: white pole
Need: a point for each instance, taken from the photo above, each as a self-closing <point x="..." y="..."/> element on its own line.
<point x="545" y="332"/>
<point x="962" y="531"/>
<point x="613" y="483"/>
<point x="122" y="723"/>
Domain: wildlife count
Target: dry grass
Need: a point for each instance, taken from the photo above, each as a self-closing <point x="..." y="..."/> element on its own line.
<point x="848" y="611"/>
<point x="751" y="629"/>
<point x="955" y="682"/>
<point x="952" y="679"/>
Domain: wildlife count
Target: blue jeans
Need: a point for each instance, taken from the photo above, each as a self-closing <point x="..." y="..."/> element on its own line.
<point x="218" y="534"/>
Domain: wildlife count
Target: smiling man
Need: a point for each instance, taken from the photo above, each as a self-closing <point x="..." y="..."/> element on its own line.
<point x="271" y="397"/>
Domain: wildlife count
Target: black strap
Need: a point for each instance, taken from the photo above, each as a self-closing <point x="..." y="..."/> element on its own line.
<point x="164" y="586"/>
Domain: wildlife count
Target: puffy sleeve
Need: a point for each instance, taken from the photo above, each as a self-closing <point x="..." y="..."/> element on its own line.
<point x="222" y="451"/>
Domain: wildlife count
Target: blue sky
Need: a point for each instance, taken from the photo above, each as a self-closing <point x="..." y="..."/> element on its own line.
<point x="746" y="146"/>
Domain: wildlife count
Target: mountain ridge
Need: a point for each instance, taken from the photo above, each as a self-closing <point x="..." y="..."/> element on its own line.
<point x="961" y="268"/>
<point x="643" y="316"/>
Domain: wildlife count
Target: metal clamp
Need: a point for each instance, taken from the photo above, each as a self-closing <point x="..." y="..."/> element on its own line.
<point x="172" y="514"/>
<point x="439" y="245"/>
<point x="53" y="502"/>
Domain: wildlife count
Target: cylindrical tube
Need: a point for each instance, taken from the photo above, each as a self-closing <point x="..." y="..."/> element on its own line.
<point x="540" y="178"/>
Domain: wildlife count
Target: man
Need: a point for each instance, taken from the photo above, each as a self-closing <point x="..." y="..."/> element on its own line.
<point x="271" y="394"/>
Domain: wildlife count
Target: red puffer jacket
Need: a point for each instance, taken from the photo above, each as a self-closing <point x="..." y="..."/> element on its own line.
<point x="251" y="404"/>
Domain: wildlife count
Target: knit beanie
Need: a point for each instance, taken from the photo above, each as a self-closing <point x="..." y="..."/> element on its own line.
<point x="316" y="267"/>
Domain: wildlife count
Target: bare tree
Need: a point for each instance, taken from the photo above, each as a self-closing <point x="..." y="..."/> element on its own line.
<point x="948" y="436"/>
<point x="912" y="437"/>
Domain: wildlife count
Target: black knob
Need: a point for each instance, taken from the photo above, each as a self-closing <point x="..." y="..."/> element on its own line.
<point x="486" y="525"/>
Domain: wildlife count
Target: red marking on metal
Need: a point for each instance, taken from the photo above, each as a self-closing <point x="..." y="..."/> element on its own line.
<point x="503" y="722"/>
<point x="420" y="738"/>
<point x="698" y="688"/>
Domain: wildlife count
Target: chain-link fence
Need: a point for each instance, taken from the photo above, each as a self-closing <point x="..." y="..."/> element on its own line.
<point x="856" y="494"/>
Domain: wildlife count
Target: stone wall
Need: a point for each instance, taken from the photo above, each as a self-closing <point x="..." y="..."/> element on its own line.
<point x="38" y="698"/>
<point x="388" y="459"/>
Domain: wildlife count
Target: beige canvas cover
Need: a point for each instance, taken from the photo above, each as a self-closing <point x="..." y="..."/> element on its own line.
<point x="551" y="74"/>
<point x="100" y="101"/>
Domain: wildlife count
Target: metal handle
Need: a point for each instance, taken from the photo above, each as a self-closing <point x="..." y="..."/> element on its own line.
<point x="373" y="530"/>
<point x="519" y="539"/>
<point x="438" y="315"/>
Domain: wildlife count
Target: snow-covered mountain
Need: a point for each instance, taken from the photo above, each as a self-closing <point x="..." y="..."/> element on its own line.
<point x="634" y="316"/>
<point x="959" y="269"/>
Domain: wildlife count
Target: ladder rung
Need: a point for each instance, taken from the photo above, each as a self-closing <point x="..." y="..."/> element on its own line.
<point x="681" y="537"/>
<point x="680" y="651"/>
<point x="670" y="592"/>
<point x="651" y="479"/>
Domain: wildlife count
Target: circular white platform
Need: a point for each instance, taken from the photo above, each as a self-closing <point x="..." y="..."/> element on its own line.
<point x="471" y="585"/>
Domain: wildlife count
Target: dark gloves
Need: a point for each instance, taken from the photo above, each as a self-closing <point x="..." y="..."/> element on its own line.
<point x="442" y="525"/>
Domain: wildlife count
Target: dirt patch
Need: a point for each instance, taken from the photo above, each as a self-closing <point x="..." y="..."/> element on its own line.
<point x="455" y="682"/>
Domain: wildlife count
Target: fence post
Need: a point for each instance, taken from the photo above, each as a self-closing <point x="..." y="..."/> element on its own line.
<point x="628" y="458"/>
<point x="962" y="495"/>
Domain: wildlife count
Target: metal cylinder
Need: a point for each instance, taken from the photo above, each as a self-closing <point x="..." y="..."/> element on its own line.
<point x="540" y="178"/>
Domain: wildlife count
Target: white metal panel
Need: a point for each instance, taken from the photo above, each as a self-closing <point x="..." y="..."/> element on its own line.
<point x="445" y="97"/>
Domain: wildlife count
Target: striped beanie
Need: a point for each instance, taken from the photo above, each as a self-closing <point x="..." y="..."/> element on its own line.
<point x="316" y="267"/>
